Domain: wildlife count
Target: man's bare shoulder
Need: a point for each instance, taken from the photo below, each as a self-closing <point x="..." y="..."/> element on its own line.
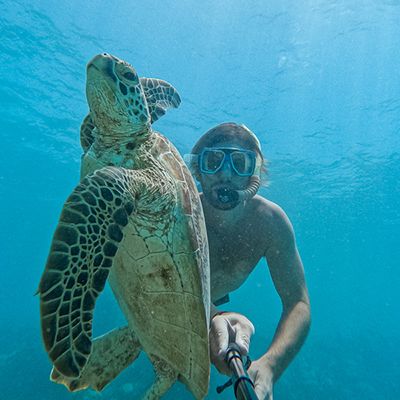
<point x="271" y="218"/>
<point x="267" y="210"/>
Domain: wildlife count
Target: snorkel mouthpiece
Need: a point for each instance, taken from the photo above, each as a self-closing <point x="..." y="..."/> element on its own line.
<point x="233" y="197"/>
<point x="226" y="195"/>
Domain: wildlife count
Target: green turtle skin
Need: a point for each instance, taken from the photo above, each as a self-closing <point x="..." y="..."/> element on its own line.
<point x="135" y="219"/>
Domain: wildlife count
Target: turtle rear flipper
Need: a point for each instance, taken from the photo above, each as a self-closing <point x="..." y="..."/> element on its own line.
<point x="111" y="354"/>
<point x="166" y="376"/>
<point x="81" y="256"/>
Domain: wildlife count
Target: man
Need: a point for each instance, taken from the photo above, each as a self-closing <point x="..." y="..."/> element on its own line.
<point x="242" y="228"/>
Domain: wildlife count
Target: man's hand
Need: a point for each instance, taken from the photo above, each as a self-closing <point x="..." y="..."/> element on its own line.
<point x="229" y="327"/>
<point x="261" y="375"/>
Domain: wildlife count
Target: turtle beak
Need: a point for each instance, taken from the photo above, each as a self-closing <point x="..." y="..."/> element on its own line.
<point x="101" y="66"/>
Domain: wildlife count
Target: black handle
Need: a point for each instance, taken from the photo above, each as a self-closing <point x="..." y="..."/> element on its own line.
<point x="243" y="385"/>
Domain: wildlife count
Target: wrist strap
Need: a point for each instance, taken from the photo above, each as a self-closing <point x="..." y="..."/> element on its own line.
<point x="218" y="313"/>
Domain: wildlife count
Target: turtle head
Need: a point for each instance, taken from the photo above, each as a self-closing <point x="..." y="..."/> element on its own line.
<point x="116" y="99"/>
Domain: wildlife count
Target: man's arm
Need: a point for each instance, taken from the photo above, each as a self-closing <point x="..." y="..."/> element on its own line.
<point x="287" y="273"/>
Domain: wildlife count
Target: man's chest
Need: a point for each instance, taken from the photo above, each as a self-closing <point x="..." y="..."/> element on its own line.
<point x="242" y="244"/>
<point x="232" y="258"/>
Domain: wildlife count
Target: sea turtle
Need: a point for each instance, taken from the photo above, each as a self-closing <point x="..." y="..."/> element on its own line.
<point x="136" y="218"/>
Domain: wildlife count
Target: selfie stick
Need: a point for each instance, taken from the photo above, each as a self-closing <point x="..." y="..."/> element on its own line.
<point x="242" y="384"/>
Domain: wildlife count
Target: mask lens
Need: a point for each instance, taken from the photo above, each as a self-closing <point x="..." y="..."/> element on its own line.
<point x="212" y="160"/>
<point x="243" y="162"/>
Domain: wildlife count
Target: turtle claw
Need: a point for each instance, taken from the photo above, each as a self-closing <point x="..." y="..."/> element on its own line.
<point x="54" y="375"/>
<point x="97" y="383"/>
<point x="72" y="384"/>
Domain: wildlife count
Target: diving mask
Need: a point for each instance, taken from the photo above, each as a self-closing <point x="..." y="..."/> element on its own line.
<point x="212" y="159"/>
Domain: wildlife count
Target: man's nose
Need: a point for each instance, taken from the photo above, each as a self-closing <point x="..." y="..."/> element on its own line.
<point x="226" y="169"/>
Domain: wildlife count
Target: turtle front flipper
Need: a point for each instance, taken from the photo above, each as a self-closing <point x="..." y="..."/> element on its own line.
<point x="83" y="248"/>
<point x="111" y="354"/>
<point x="160" y="96"/>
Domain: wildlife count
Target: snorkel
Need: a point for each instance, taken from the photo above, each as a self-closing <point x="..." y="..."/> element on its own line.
<point x="234" y="197"/>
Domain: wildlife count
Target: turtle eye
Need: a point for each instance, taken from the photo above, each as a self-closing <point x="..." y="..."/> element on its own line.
<point x="130" y="76"/>
<point x="126" y="72"/>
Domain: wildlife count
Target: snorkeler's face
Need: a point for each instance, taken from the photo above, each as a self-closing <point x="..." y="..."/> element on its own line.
<point x="225" y="178"/>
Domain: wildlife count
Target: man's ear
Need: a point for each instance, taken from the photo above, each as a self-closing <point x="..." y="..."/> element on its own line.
<point x="195" y="172"/>
<point x="192" y="162"/>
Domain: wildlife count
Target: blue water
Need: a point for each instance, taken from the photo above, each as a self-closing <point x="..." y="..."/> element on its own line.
<point x="318" y="82"/>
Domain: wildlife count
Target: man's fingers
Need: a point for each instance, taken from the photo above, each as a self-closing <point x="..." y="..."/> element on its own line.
<point x="219" y="340"/>
<point x="263" y="391"/>
<point x="243" y="333"/>
<point x="243" y="342"/>
<point x="219" y="335"/>
<point x="262" y="394"/>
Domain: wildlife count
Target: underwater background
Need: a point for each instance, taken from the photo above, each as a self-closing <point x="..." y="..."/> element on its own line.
<point x="318" y="81"/>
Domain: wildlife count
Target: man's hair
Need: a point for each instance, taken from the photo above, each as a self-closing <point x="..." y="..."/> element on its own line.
<point x="228" y="131"/>
<point x="232" y="132"/>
